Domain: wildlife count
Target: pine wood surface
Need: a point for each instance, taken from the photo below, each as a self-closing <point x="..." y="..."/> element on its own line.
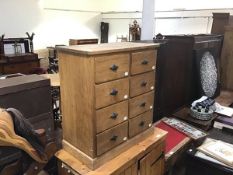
<point x="94" y="163"/>
<point x="140" y="123"/>
<point x="152" y="164"/>
<point x="54" y="79"/>
<point x="77" y="92"/>
<point x="94" y="49"/>
<point x="140" y="104"/>
<point x="112" y="137"/>
<point x="111" y="116"/>
<point x="119" y="163"/>
<point x="103" y="97"/>
<point x="104" y="65"/>
<point x="143" y="61"/>
<point x="93" y="84"/>
<point x="142" y="83"/>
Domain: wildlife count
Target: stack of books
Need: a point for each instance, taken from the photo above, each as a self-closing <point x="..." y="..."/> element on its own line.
<point x="225" y="120"/>
<point x="217" y="151"/>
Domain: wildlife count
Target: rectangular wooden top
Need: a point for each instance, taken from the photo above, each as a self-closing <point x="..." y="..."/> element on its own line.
<point x="93" y="49"/>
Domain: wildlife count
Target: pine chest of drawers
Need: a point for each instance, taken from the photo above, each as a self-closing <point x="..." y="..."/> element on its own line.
<point x="107" y="95"/>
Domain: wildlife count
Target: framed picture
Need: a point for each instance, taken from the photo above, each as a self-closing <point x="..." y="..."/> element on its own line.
<point x="14" y="46"/>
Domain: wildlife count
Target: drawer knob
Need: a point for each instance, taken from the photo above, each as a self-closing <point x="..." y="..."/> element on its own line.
<point x="114" y="67"/>
<point x="143" y="84"/>
<point x="114" y="115"/>
<point x="143" y="104"/>
<point x="142" y="123"/>
<point x="114" y="92"/>
<point x="114" y="138"/>
<point x="145" y="62"/>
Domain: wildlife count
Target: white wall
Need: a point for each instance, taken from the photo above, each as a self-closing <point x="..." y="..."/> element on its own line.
<point x="56" y="21"/>
<point x="50" y="26"/>
<point x="171" y="17"/>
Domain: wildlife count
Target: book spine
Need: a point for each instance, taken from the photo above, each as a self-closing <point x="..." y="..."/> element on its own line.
<point x="219" y="125"/>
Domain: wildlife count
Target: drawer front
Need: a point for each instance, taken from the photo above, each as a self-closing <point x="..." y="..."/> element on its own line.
<point x="140" y="123"/>
<point x="141" y="104"/>
<point x="111" y="116"/>
<point x="111" y="67"/>
<point x="111" y="92"/>
<point x="112" y="137"/>
<point x="143" y="83"/>
<point x="143" y="61"/>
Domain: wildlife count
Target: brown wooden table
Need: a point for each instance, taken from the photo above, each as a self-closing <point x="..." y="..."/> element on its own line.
<point x="54" y="79"/>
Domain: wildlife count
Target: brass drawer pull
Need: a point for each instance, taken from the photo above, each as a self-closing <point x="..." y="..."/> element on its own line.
<point x="143" y="104"/>
<point x="142" y="123"/>
<point x="114" y="115"/>
<point x="114" y="67"/>
<point x="114" y="92"/>
<point x="145" y="62"/>
<point x="143" y="84"/>
<point x="114" y="138"/>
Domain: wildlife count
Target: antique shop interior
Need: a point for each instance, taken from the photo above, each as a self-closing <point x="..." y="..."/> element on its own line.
<point x="116" y="87"/>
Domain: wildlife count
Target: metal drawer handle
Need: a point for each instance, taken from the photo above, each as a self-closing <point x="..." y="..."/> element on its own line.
<point x="114" y="67"/>
<point x="143" y="104"/>
<point x="145" y="62"/>
<point x="143" y="84"/>
<point x="114" y="138"/>
<point x="114" y="115"/>
<point x="114" y="92"/>
<point x="142" y="123"/>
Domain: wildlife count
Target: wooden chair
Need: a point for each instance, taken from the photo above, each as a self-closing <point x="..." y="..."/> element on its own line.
<point x="8" y="137"/>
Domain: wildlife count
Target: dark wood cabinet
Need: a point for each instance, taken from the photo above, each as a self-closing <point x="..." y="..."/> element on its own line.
<point x="30" y="94"/>
<point x="177" y="77"/>
<point x="24" y="67"/>
<point x="83" y="41"/>
<point x="17" y="56"/>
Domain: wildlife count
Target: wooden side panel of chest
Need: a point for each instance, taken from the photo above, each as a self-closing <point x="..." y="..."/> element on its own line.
<point x="77" y="92"/>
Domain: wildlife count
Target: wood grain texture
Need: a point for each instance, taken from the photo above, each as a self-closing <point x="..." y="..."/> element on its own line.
<point x="94" y="163"/>
<point x="105" y="117"/>
<point x="140" y="123"/>
<point x="142" y="83"/>
<point x="143" y="61"/>
<point x="24" y="67"/>
<point x="227" y="60"/>
<point x="106" y="48"/>
<point x="54" y="79"/>
<point x="112" y="137"/>
<point x="140" y="104"/>
<point x="102" y="92"/>
<point x="104" y="67"/>
<point x="77" y="92"/>
<point x="153" y="162"/>
<point x="94" y="82"/>
<point x="119" y="163"/>
<point x="83" y="41"/>
<point x="158" y="167"/>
